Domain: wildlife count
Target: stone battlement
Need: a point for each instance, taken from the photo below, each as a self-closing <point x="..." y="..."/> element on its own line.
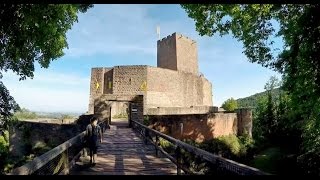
<point x="167" y="37"/>
<point x="178" y="35"/>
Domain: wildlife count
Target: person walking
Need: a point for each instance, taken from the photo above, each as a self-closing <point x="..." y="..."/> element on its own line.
<point x="94" y="134"/>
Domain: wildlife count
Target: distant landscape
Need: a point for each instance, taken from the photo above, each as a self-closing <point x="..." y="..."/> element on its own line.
<point x="252" y="101"/>
<point x="26" y="114"/>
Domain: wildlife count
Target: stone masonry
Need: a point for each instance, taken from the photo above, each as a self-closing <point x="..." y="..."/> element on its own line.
<point x="174" y="83"/>
<point x="173" y="94"/>
<point x="177" y="52"/>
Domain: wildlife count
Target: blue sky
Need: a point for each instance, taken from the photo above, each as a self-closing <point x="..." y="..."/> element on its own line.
<point x="109" y="35"/>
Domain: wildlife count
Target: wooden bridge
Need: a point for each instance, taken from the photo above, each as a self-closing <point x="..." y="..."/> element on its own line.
<point x="123" y="152"/>
<point x="132" y="151"/>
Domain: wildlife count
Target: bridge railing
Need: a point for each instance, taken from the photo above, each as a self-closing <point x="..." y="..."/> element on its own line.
<point x="220" y="164"/>
<point x="58" y="160"/>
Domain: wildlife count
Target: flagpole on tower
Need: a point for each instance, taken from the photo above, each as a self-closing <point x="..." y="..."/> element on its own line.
<point x="158" y="32"/>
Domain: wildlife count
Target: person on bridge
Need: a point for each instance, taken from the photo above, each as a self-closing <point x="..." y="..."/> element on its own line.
<point x="93" y="133"/>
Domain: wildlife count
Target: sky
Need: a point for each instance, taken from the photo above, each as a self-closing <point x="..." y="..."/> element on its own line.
<point x="111" y="35"/>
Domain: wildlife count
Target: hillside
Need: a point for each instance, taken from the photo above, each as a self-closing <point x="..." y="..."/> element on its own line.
<point x="251" y="101"/>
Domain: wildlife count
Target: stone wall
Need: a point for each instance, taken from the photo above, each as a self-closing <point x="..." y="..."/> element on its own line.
<point x="200" y="127"/>
<point x="25" y="135"/>
<point x="129" y="79"/>
<point x="187" y="54"/>
<point x="182" y="110"/>
<point x="108" y="81"/>
<point x="168" y="88"/>
<point x="244" y="121"/>
<point x="167" y="53"/>
<point x="163" y="87"/>
<point x="174" y="83"/>
<point x="97" y="76"/>
<point x="179" y="53"/>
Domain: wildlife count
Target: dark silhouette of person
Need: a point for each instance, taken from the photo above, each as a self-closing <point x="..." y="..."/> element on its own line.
<point x="94" y="134"/>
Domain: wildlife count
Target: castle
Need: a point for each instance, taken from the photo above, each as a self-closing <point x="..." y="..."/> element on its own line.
<point x="175" y="82"/>
<point x="174" y="97"/>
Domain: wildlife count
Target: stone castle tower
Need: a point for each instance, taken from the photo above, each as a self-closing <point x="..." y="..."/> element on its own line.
<point x="175" y="82"/>
<point x="179" y="53"/>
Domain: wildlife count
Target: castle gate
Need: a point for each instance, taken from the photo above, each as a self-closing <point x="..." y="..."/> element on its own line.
<point x="103" y="108"/>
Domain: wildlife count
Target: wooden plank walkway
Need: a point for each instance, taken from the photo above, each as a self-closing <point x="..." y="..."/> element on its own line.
<point x="123" y="152"/>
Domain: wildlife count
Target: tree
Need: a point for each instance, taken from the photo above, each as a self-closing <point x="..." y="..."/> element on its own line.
<point x="270" y="120"/>
<point x="298" y="61"/>
<point x="8" y="106"/>
<point x="230" y="104"/>
<point x="32" y="33"/>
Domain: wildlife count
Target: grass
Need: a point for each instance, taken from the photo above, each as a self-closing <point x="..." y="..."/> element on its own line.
<point x="124" y="115"/>
<point x="268" y="159"/>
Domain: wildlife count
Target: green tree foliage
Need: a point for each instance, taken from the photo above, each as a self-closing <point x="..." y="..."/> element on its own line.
<point x="298" y="61"/>
<point x="4" y="143"/>
<point x="34" y="33"/>
<point x="265" y="118"/>
<point x="4" y="149"/>
<point x="8" y="106"/>
<point x="276" y="128"/>
<point x="252" y="101"/>
<point x="230" y="104"/>
<point x="31" y="33"/>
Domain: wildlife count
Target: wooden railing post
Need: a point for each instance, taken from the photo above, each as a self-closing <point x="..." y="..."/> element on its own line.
<point x="157" y="145"/>
<point x="178" y="159"/>
<point x="146" y="134"/>
<point x="130" y="123"/>
<point x="66" y="162"/>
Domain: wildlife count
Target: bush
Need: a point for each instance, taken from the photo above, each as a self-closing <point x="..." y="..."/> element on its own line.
<point x="230" y="143"/>
<point x="4" y="150"/>
<point x="166" y="145"/>
<point x="121" y="115"/>
<point x="146" y="120"/>
<point x="232" y="147"/>
<point x="309" y="162"/>
<point x="4" y="143"/>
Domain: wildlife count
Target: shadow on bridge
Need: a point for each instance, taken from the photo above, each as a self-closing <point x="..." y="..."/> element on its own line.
<point x="124" y="153"/>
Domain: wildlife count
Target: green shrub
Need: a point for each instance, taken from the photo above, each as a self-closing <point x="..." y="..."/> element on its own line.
<point x="121" y="115"/>
<point x="41" y="148"/>
<point x="232" y="143"/>
<point x="166" y="145"/>
<point x="146" y="120"/>
<point x="4" y="143"/>
<point x="4" y="150"/>
<point x="232" y="147"/>
<point x="310" y="162"/>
